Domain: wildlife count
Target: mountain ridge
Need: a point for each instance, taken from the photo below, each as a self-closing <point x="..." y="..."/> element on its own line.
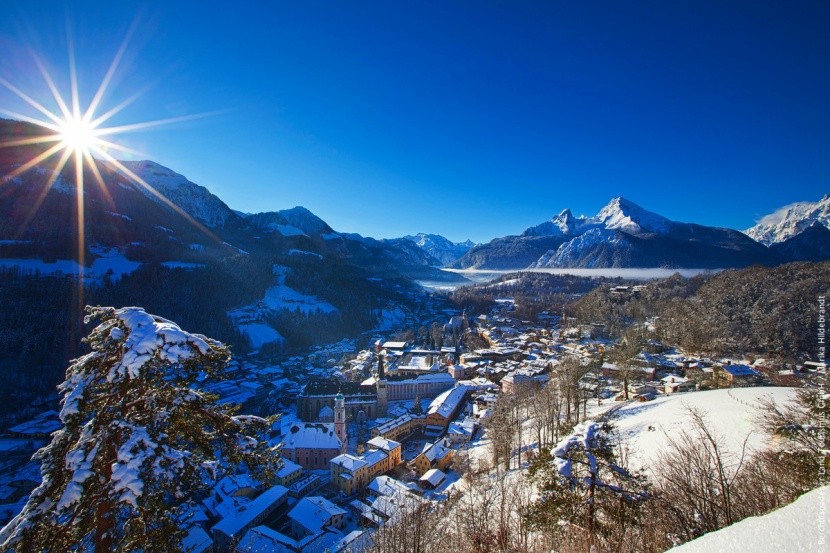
<point x="621" y="234"/>
<point x="790" y="220"/>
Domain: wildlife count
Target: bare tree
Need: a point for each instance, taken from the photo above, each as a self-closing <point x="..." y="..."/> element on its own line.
<point x="697" y="476"/>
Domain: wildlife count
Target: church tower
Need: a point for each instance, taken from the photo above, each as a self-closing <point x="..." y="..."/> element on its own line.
<point x="340" y="418"/>
<point x="382" y="390"/>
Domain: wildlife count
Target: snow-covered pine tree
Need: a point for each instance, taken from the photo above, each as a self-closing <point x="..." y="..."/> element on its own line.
<point x="586" y="495"/>
<point x="139" y="442"/>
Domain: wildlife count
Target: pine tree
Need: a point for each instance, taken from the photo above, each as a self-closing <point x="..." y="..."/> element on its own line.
<point x="586" y="495"/>
<point x="138" y="441"/>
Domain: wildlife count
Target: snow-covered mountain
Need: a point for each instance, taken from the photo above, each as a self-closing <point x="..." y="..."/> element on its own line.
<point x="439" y="247"/>
<point x="621" y="234"/>
<point x="790" y="220"/>
<point x="195" y="200"/>
<point x="618" y="214"/>
<point x="562" y="225"/>
<point x="297" y="221"/>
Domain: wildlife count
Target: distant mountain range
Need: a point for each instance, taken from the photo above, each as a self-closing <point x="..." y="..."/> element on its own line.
<point x="130" y="222"/>
<point x="623" y="234"/>
<point x="139" y="225"/>
<point x="443" y="250"/>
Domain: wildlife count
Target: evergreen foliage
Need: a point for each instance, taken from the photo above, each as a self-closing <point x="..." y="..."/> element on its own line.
<point x="139" y="442"/>
<point x="586" y="494"/>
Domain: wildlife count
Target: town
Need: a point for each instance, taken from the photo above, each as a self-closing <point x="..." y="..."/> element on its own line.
<point x="366" y="435"/>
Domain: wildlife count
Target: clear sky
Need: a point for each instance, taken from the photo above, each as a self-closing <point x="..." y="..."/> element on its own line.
<point x="469" y="119"/>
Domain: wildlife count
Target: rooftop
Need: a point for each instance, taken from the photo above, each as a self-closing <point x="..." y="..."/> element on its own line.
<point x="383" y="444"/>
<point x="314" y="512"/>
<point x="328" y="387"/>
<point x="236" y="522"/>
<point x="447" y="402"/>
<point x="309" y="435"/>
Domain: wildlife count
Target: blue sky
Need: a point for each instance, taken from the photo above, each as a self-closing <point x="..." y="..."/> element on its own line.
<point x="468" y="119"/>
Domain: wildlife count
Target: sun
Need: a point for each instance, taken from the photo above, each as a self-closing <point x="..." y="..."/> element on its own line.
<point x="77" y="134"/>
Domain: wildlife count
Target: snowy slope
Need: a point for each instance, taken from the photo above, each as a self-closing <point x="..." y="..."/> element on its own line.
<point x="251" y="320"/>
<point x="625" y="215"/>
<point x="801" y="526"/>
<point x="573" y="252"/>
<point x="790" y="220"/>
<point x="195" y="200"/>
<point x="730" y="413"/>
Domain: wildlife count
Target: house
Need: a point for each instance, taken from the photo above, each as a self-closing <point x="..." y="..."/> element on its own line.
<point x="610" y="370"/>
<point x="390" y="447"/>
<point x="435" y="455"/>
<point x="460" y="432"/>
<point x="673" y="384"/>
<point x="386" y="500"/>
<point x="311" y="515"/>
<point x="351" y="473"/>
<point x="289" y="473"/>
<point x="40" y="427"/>
<point x="262" y="539"/>
<point x="399" y="427"/>
<point x="395" y="346"/>
<point x="737" y="375"/>
<point x="311" y="445"/>
<point x="431" y="479"/>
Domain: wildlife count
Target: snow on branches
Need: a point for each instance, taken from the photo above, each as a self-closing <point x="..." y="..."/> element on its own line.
<point x="138" y="442"/>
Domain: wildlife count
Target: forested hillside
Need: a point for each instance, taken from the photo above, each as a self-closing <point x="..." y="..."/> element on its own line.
<point x="765" y="311"/>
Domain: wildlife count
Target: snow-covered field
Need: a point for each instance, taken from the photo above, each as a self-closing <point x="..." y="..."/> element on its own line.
<point x="730" y="412"/>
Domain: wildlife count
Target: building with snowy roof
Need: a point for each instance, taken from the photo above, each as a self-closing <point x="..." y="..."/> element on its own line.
<point x="399" y="427"/>
<point x="444" y="409"/>
<point x="386" y="499"/>
<point x="425" y="385"/>
<point x="316" y="402"/>
<point x="460" y="432"/>
<point x="312" y="514"/>
<point x="311" y="445"/>
<point x="41" y="426"/>
<point x="395" y="346"/>
<point x="436" y="455"/>
<point x="351" y="473"/>
<point x="738" y="375"/>
<point x="231" y="528"/>
<point x="197" y="541"/>
<point x="262" y="539"/>
<point x="432" y="479"/>
<point x="289" y="473"/>
<point x="673" y="384"/>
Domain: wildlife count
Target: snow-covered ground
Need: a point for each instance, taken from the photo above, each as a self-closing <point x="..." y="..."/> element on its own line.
<point x="730" y="412"/>
<point x="109" y="261"/>
<point x="250" y="318"/>
<point x="800" y="526"/>
<point x="648" y="426"/>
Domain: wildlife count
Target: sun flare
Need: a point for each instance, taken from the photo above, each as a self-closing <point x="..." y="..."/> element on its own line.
<point x="77" y="134"/>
